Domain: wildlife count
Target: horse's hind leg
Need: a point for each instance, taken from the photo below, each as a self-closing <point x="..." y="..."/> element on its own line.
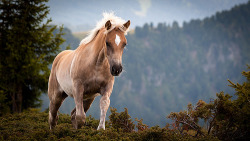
<point x="87" y="103"/>
<point x="54" y="105"/>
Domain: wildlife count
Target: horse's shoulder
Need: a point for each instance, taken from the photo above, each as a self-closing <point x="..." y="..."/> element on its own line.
<point x="65" y="52"/>
<point x="60" y="56"/>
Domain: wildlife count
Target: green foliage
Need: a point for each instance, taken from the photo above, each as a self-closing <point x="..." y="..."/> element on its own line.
<point x="28" y="46"/>
<point x="224" y="118"/>
<point x="4" y="106"/>
<point x="121" y="120"/>
<point x="141" y="126"/>
<point x="186" y="120"/>
<point x="33" y="125"/>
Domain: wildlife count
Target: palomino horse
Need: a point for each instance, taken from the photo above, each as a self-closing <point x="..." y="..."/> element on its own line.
<point x="88" y="71"/>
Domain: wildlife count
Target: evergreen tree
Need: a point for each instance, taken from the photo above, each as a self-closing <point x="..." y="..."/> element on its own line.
<point x="28" y="46"/>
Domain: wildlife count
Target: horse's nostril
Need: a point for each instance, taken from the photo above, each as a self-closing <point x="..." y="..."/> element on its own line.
<point x="113" y="69"/>
<point x="116" y="69"/>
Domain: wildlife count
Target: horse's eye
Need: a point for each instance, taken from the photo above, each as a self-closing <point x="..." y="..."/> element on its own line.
<point x="124" y="45"/>
<point x="108" y="44"/>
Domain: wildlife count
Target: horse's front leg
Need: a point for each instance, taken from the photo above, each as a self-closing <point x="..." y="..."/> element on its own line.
<point x="104" y="105"/>
<point x="80" y="115"/>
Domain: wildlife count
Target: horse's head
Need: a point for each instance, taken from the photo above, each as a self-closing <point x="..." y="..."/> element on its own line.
<point x="115" y="44"/>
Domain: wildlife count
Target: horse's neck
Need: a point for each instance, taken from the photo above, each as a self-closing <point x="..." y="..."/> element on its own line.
<point x="101" y="49"/>
<point x="95" y="48"/>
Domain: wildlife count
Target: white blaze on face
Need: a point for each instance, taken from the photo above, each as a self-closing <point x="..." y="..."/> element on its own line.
<point x="117" y="39"/>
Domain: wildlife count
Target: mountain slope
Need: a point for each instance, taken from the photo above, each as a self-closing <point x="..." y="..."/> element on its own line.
<point x="169" y="66"/>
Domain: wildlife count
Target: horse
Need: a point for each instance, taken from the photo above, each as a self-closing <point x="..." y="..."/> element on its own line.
<point x="88" y="71"/>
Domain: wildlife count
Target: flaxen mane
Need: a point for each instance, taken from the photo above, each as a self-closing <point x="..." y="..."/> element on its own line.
<point x="115" y="21"/>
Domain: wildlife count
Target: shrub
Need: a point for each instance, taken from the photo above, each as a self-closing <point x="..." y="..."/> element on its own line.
<point x="224" y="117"/>
<point x="121" y="120"/>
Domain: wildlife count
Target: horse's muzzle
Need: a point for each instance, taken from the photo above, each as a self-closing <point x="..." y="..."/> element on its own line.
<point x="116" y="70"/>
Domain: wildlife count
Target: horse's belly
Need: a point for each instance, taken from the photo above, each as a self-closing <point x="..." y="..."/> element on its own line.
<point x="90" y="95"/>
<point x="66" y="85"/>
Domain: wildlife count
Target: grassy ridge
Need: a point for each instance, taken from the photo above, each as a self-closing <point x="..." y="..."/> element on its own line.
<point x="80" y="35"/>
<point x="33" y="125"/>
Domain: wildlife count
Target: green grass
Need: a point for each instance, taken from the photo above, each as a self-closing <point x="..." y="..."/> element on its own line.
<point x="33" y="125"/>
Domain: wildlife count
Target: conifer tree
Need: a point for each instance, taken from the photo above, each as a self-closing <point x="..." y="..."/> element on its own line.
<point x="27" y="48"/>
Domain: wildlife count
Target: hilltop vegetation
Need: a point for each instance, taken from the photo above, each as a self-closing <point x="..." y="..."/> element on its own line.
<point x="33" y="125"/>
<point x="225" y="117"/>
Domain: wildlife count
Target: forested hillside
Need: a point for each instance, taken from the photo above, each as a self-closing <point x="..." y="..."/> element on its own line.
<point x="169" y="66"/>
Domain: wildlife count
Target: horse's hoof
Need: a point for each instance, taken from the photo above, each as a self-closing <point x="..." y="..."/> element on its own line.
<point x="101" y="128"/>
<point x="51" y="127"/>
<point x="77" y="125"/>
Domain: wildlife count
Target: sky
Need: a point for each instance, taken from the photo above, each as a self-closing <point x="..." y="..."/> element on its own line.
<point x="82" y="15"/>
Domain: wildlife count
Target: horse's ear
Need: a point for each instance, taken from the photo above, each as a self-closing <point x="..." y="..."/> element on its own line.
<point x="108" y="25"/>
<point x="127" y="24"/>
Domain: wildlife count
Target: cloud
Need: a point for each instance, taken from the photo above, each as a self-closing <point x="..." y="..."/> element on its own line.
<point x="145" y="5"/>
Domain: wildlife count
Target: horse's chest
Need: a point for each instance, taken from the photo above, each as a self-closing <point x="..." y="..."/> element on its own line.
<point x="94" y="85"/>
